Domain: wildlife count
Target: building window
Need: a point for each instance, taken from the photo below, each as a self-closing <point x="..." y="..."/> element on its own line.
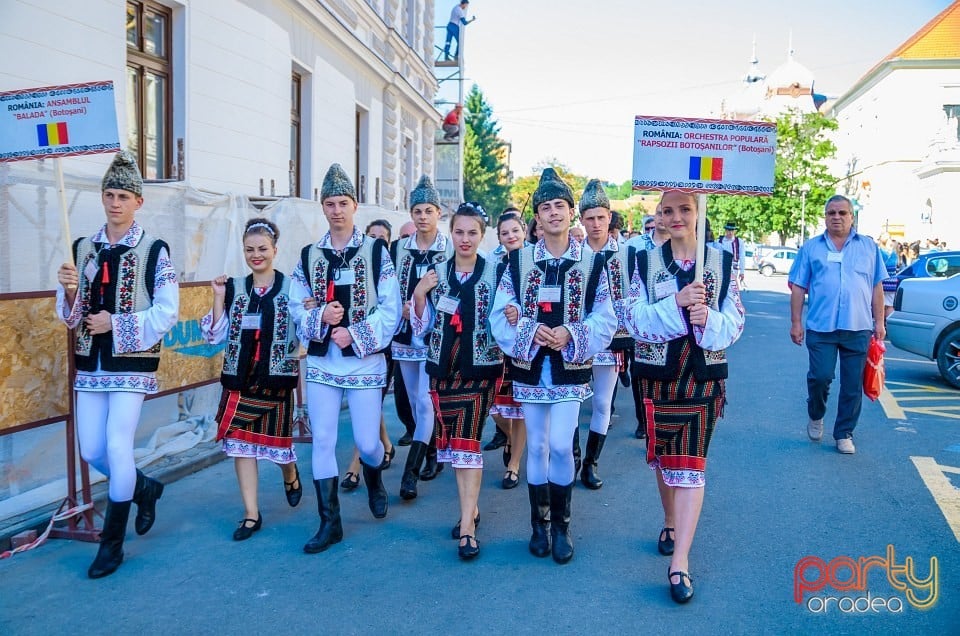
<point x="361" y="159"/>
<point x="296" y="110"/>
<point x="953" y="120"/>
<point x="149" y="85"/>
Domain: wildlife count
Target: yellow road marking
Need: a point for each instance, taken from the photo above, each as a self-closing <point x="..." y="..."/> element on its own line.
<point x="934" y="411"/>
<point x="890" y="406"/>
<point x="944" y="493"/>
<point x="927" y="387"/>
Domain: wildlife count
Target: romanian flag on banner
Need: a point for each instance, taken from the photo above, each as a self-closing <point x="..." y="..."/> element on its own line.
<point x="52" y="134"/>
<point x="706" y="168"/>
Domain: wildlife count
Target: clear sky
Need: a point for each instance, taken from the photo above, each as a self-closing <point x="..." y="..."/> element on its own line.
<point x="567" y="77"/>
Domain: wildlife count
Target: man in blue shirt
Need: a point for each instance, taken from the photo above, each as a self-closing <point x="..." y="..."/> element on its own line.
<point x="458" y="19"/>
<point x="841" y="272"/>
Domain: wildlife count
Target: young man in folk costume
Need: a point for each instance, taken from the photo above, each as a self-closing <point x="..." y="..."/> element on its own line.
<point x="122" y="296"/>
<point x="608" y="364"/>
<point x="414" y="257"/>
<point x="345" y="299"/>
<point x="552" y="313"/>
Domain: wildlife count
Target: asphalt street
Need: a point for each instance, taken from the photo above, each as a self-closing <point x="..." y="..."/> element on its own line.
<point x="774" y="499"/>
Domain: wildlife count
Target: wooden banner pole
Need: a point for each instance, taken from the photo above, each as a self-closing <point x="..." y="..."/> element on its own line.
<point x="701" y="235"/>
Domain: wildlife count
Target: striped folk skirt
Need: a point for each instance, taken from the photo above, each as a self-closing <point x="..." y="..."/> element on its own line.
<point x="257" y="423"/>
<point x="461" y="407"/>
<point x="679" y="417"/>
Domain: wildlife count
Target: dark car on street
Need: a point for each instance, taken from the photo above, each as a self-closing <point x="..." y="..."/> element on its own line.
<point x="928" y="265"/>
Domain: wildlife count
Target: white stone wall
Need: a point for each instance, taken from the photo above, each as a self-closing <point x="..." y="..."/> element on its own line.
<point x="888" y="129"/>
<point x="79" y="42"/>
<point x="233" y="61"/>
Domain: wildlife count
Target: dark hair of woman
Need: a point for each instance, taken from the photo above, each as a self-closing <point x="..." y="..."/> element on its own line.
<point x="382" y="223"/>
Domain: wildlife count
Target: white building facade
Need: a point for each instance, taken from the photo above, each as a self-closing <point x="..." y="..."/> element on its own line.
<point x="898" y="142"/>
<point x="246" y="96"/>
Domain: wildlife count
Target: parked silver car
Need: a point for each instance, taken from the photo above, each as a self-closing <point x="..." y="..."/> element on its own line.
<point x="777" y="261"/>
<point x="926" y="321"/>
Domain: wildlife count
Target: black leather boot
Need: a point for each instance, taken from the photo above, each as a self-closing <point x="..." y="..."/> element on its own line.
<point x="539" y="519"/>
<point x="576" y="450"/>
<point x="110" y="555"/>
<point x="145" y="495"/>
<point x="411" y="471"/>
<point x="560" y="498"/>
<point x="328" y="505"/>
<point x="499" y="439"/>
<point x="589" y="475"/>
<point x="376" y="493"/>
<point x="432" y="468"/>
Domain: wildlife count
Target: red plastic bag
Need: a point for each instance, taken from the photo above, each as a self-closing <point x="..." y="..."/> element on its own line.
<point x="873" y="371"/>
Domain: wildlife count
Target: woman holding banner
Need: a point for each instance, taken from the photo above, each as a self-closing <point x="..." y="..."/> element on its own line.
<point x="121" y="295"/>
<point x="261" y="368"/>
<point x="683" y="327"/>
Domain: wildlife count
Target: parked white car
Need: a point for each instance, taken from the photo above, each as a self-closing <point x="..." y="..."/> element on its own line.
<point x="926" y="321"/>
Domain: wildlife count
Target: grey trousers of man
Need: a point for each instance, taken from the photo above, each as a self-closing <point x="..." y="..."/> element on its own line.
<point x="823" y="348"/>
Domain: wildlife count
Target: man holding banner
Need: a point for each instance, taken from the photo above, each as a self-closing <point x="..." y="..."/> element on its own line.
<point x="122" y="296"/>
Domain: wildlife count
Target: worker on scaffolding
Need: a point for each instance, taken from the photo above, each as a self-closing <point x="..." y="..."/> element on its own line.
<point x="458" y="20"/>
<point x="451" y="123"/>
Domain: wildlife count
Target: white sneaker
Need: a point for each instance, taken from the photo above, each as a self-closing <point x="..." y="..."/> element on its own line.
<point x="846" y="446"/>
<point x="815" y="429"/>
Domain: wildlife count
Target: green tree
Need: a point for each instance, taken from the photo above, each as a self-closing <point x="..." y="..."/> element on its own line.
<point x="803" y="147"/>
<point x="521" y="192"/>
<point x="485" y="174"/>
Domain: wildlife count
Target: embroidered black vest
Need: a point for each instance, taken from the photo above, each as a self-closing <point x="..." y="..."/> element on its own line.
<point x="478" y="356"/>
<point x="279" y="348"/>
<point x="662" y="360"/>
<point x="619" y="282"/>
<point x="578" y="281"/>
<point x="130" y="289"/>
<point x="406" y="261"/>
<point x="321" y="267"/>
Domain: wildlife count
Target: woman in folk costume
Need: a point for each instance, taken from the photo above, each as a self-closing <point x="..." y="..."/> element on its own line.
<point x="452" y="304"/>
<point x="261" y="368"/>
<point x="345" y="299"/>
<point x="682" y="327"/>
<point x="608" y="364"/>
<point x="413" y="257"/>
<point x="121" y="296"/>
<point x="557" y="293"/>
<point x="507" y="412"/>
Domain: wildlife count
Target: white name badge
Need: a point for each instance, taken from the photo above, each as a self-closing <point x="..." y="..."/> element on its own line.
<point x="344" y="277"/>
<point x="90" y="271"/>
<point x="448" y="305"/>
<point x="549" y="294"/>
<point x="666" y="288"/>
<point x="422" y="270"/>
<point x="834" y="257"/>
<point x="250" y="321"/>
